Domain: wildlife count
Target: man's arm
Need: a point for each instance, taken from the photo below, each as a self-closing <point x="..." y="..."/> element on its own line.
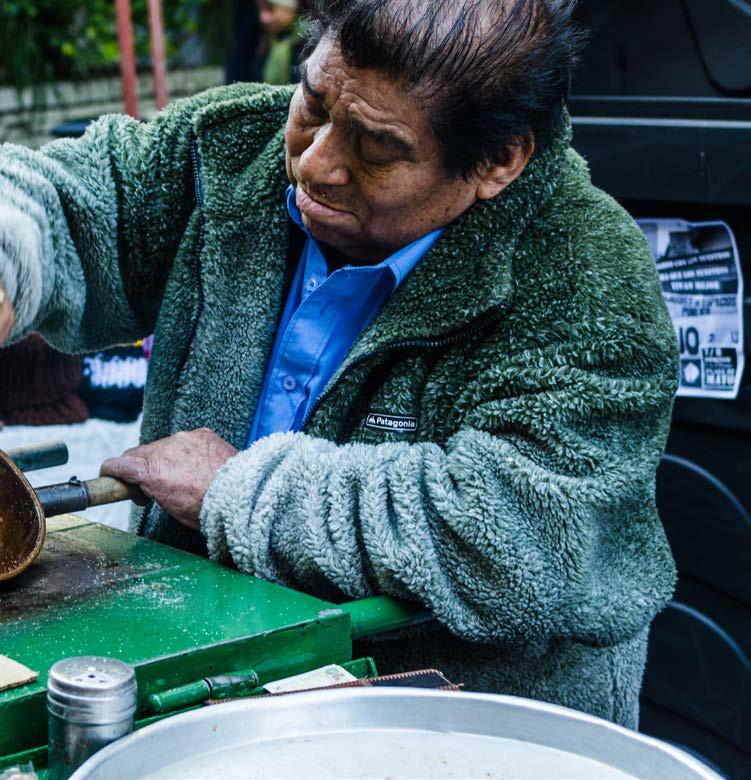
<point x="88" y="224"/>
<point x="536" y="520"/>
<point x="89" y="227"/>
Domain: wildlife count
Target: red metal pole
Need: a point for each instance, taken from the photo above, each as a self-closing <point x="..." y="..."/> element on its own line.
<point x="158" y="59"/>
<point x="127" y="56"/>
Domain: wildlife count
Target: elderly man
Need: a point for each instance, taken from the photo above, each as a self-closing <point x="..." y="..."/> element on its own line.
<point x="437" y="365"/>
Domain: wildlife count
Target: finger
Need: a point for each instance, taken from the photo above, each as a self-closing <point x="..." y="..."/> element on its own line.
<point x="132" y="469"/>
<point x="139" y="451"/>
<point x="7" y="317"/>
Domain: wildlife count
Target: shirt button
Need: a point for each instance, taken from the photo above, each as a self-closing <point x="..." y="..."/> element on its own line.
<point x="289" y="383"/>
<point x="311" y="285"/>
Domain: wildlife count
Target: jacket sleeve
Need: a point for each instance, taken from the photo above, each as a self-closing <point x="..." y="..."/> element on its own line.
<point x="89" y="228"/>
<point x="536" y="520"/>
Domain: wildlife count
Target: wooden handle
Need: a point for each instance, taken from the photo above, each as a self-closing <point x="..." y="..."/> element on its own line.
<point x="108" y="490"/>
<point x="75" y="496"/>
<point x="39" y="456"/>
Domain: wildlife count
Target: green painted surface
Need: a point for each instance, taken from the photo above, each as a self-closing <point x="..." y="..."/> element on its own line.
<point x="177" y="618"/>
<point x="377" y="614"/>
<point x="360" y="667"/>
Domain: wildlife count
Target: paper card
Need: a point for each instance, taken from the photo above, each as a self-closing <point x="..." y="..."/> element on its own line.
<point x="702" y="283"/>
<point x="333" y="674"/>
<point x="13" y="674"/>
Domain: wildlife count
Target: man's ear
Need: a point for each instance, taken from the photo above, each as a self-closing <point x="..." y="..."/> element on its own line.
<point x="493" y="179"/>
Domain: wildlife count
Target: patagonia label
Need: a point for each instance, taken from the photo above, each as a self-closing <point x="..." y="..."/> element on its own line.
<point x="390" y="422"/>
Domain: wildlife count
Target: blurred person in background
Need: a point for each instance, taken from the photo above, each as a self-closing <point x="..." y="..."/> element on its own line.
<point x="281" y="50"/>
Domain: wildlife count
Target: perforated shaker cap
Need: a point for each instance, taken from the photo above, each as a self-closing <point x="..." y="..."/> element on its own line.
<point x="92" y="690"/>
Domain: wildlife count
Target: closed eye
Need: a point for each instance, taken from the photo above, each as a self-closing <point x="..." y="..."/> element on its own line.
<point x="314" y="110"/>
<point x="383" y="145"/>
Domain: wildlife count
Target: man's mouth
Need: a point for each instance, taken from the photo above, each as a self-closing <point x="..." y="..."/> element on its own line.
<point x="315" y="209"/>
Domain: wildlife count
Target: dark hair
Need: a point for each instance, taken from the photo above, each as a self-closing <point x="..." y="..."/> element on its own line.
<point x="497" y="72"/>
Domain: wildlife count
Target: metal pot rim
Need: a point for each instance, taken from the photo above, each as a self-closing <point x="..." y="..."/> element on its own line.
<point x="315" y="712"/>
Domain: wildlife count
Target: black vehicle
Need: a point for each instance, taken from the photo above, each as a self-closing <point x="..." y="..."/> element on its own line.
<point x="662" y="112"/>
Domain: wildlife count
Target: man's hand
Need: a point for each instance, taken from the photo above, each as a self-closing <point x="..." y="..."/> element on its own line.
<point x="175" y="472"/>
<point x="7" y="316"/>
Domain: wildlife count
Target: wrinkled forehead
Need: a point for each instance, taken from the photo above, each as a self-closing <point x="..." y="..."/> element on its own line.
<point x="340" y="86"/>
<point x="328" y="76"/>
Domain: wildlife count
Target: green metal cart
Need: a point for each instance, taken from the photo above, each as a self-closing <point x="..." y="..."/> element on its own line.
<point x="190" y="627"/>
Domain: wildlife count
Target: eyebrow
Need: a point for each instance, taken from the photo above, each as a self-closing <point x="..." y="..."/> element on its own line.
<point x="386" y="137"/>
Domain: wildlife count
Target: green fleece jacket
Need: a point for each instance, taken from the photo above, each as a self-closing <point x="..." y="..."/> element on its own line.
<point x="531" y="349"/>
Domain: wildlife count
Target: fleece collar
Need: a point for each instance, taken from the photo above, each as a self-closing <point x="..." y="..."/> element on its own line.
<point x="465" y="275"/>
<point x="468" y="272"/>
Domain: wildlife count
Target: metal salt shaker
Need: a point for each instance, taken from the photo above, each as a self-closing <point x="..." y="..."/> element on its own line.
<point x="91" y="701"/>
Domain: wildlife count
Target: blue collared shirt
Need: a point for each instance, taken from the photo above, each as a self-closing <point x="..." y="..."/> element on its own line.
<point x="323" y="316"/>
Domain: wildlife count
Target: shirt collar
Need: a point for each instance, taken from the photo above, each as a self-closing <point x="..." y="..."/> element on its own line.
<point x="400" y="263"/>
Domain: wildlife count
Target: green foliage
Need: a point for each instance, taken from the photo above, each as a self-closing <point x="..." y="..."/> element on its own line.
<point x="45" y="40"/>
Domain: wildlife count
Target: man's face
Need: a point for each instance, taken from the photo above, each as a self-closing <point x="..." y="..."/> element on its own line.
<point x="369" y="172"/>
<point x="275" y="19"/>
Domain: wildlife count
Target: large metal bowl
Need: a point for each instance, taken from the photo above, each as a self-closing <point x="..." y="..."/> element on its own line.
<point x="389" y="733"/>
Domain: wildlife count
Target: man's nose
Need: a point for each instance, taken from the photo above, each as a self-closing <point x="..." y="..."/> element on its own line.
<point x="324" y="162"/>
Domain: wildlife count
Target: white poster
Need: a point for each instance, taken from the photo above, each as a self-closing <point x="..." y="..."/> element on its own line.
<point x="701" y="279"/>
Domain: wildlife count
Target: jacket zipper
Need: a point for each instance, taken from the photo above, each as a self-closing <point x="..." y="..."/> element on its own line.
<point x="198" y="185"/>
<point x="465" y="331"/>
<point x="195" y="164"/>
